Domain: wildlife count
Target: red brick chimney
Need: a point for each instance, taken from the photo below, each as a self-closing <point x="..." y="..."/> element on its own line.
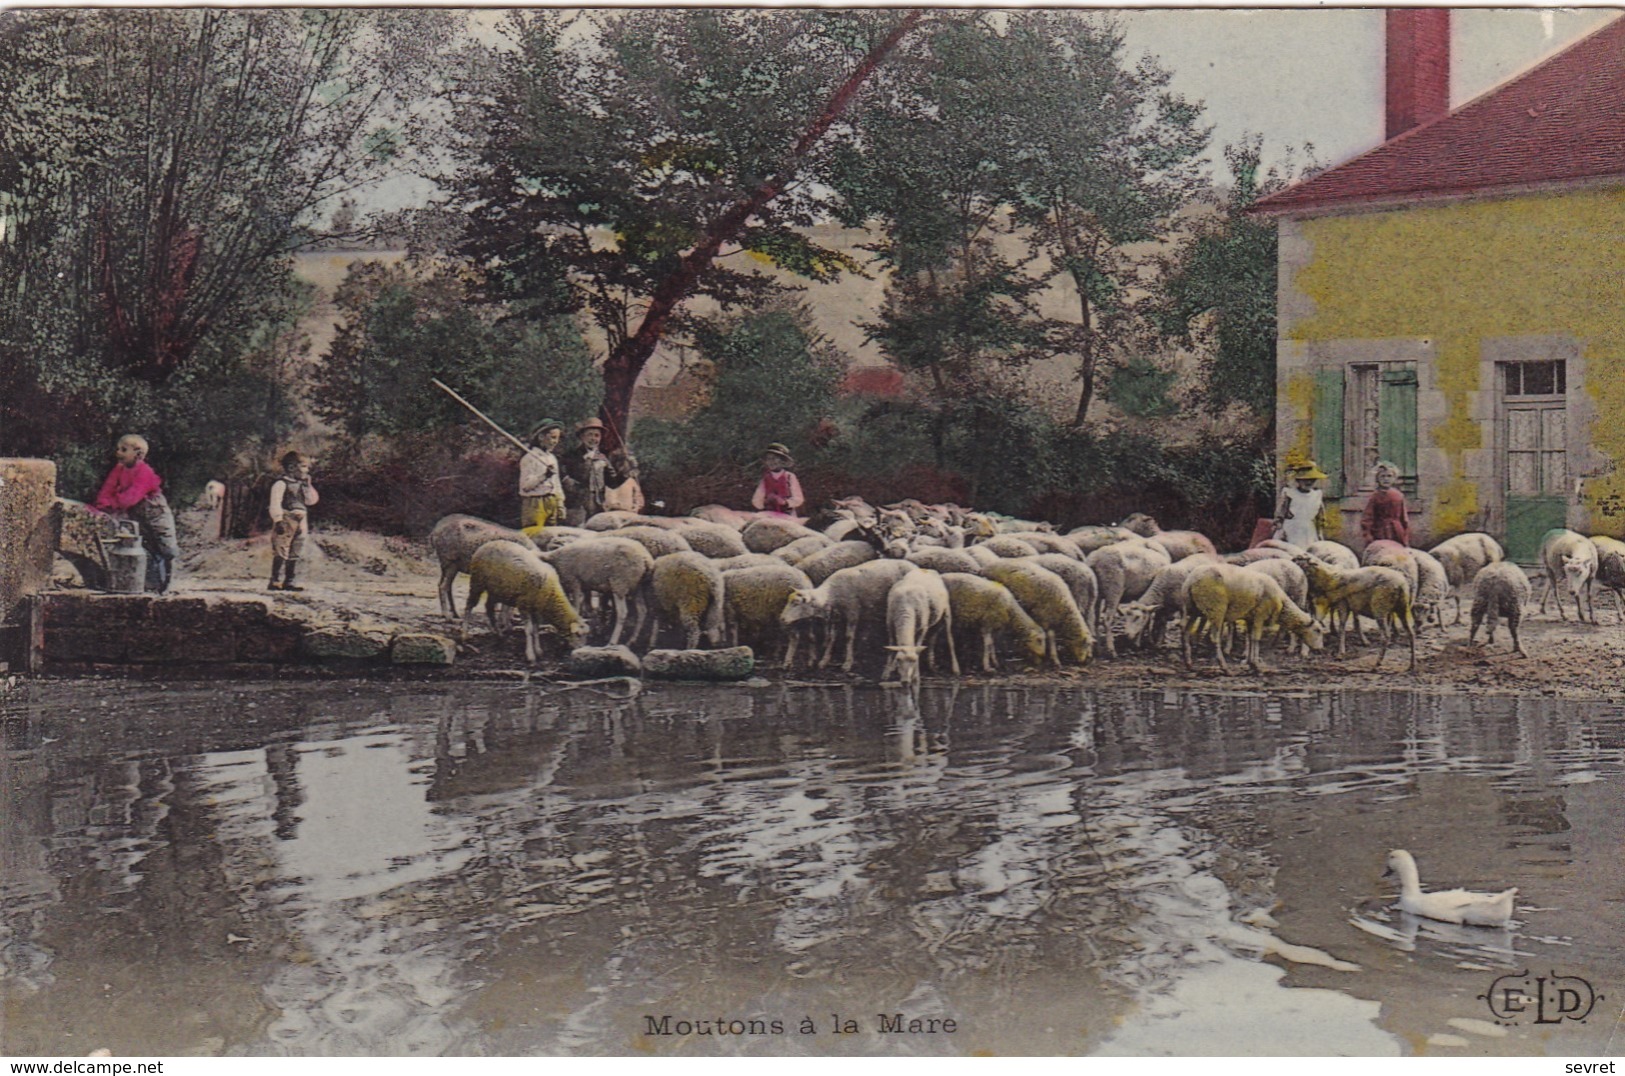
<point x="1418" y="67"/>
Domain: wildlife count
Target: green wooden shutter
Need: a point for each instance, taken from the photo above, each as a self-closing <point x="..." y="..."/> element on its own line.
<point x="1328" y="427"/>
<point x="1396" y="421"/>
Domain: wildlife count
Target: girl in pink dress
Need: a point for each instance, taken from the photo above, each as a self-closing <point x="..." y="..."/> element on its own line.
<point x="1385" y="517"/>
<point x="778" y="491"/>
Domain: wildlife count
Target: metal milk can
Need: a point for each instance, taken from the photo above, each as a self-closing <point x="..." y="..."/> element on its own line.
<point x="126" y="560"/>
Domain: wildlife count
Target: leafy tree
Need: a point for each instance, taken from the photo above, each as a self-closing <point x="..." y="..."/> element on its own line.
<point x="171" y="163"/>
<point x="1107" y="156"/>
<point x="935" y="174"/>
<point x="1220" y="285"/>
<point x="769" y="376"/>
<point x="401" y="327"/>
<point x="623" y="171"/>
<point x="1016" y="151"/>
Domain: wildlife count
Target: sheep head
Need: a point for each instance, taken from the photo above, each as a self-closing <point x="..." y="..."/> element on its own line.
<point x="908" y="663"/>
<point x="802" y="605"/>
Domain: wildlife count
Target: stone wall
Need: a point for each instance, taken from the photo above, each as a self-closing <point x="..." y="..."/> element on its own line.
<point x="78" y="633"/>
<point x="28" y="528"/>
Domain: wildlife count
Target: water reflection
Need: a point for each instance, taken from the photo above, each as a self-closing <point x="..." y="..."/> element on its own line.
<point x="468" y="869"/>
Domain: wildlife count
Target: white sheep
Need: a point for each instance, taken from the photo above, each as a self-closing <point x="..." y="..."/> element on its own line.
<point x="728" y="517"/>
<point x="755" y="598"/>
<point x="745" y="560"/>
<point x="802" y="548"/>
<point x="1223" y="594"/>
<point x="455" y="539"/>
<point x="944" y="560"/>
<point x="1043" y="542"/>
<point x="1162" y="601"/>
<point x="1336" y="554"/>
<point x="1094" y="536"/>
<point x="988" y="608"/>
<point x="1178" y="544"/>
<point x="1257" y="553"/>
<point x="917" y="610"/>
<point x="1048" y="600"/>
<point x="1380" y="593"/>
<point x="1123" y="571"/>
<point x="687" y="590"/>
<point x="512" y="576"/>
<point x="657" y="540"/>
<point x="826" y="562"/>
<point x="1432" y="587"/>
<point x="849" y="599"/>
<point x="766" y="535"/>
<point x="1611" y="568"/>
<point x="613" y="566"/>
<point x="1462" y="557"/>
<point x="1499" y="589"/>
<point x="1567" y="554"/>
<point x="1078" y="576"/>
<point x="1293" y="583"/>
<point x="1006" y="545"/>
<point x="713" y="539"/>
<point x="612" y="521"/>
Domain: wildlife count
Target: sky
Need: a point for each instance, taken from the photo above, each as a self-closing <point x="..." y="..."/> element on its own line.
<point x="1315" y="76"/>
<point x="1297" y="76"/>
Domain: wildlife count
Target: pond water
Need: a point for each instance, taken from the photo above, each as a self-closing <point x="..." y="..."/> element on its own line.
<point x="343" y="869"/>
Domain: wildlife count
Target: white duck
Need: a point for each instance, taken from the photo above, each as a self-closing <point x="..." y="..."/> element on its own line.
<point x="1447" y="905"/>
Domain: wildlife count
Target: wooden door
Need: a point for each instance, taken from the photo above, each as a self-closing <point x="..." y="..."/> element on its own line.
<point x="1535" y="464"/>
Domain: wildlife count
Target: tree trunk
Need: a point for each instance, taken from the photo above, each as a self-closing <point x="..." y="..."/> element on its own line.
<point x="626" y="362"/>
<point x="1086" y="361"/>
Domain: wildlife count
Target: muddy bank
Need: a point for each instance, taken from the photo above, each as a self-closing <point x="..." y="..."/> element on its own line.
<point x="351" y="575"/>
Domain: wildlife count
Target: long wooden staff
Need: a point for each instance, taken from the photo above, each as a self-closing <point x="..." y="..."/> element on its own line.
<point x="483" y="417"/>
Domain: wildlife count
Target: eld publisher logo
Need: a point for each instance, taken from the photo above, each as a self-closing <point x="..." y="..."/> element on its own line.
<point x="1549" y="998"/>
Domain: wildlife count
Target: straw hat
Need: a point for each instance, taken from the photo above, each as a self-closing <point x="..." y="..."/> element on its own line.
<point x="591" y="424"/>
<point x="776" y="449"/>
<point x="1308" y="470"/>
<point x="542" y="427"/>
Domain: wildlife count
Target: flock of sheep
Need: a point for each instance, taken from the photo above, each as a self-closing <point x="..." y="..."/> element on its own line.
<point x="909" y="575"/>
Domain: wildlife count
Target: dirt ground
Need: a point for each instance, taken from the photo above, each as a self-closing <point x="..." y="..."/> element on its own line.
<point x="349" y="573"/>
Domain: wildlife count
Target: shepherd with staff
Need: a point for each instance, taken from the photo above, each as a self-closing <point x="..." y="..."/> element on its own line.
<point x="578" y="477"/>
<point x="589" y="474"/>
<point x="541" y="486"/>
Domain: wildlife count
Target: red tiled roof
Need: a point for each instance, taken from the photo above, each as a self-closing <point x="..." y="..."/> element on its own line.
<point x="873" y="381"/>
<point x="1561" y="121"/>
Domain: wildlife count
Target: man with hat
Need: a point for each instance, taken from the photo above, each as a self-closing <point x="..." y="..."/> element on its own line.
<point x="1297" y="510"/>
<point x="541" y="491"/>
<point x="588" y="472"/>
<point x="778" y="491"/>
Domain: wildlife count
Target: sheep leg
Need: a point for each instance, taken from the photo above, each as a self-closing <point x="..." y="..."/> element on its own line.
<point x="640" y="609"/>
<point x="1254" y="637"/>
<point x="1185" y="640"/>
<point x="1051" y="648"/>
<point x="1410" y="632"/>
<point x="1512" y="626"/>
<point x="1216" y="630"/>
<point x="692" y="631"/>
<point x="620" y="619"/>
<point x="851" y="625"/>
<point x="989" y="659"/>
<point x="829" y="641"/>
<point x="448" y="601"/>
<point x="1386" y="632"/>
<point x="953" y="656"/>
<point x="790" y="636"/>
<point x="533" y="643"/>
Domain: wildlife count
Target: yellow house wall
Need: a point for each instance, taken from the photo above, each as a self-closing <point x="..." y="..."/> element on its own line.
<point x="1540" y="265"/>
